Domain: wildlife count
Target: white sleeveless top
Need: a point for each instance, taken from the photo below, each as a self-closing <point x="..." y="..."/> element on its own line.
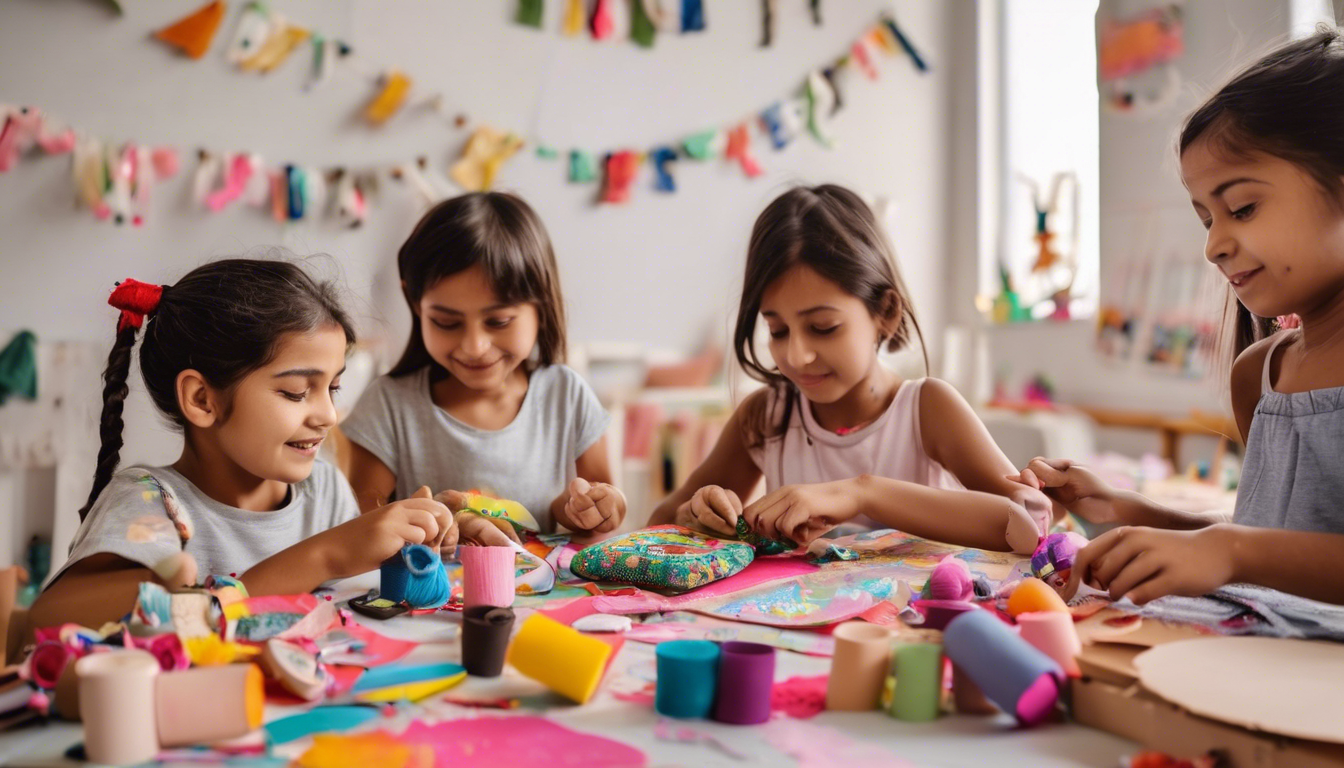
<point x="891" y="446"/>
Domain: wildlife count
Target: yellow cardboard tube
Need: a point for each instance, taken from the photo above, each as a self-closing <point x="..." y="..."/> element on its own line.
<point x="559" y="657"/>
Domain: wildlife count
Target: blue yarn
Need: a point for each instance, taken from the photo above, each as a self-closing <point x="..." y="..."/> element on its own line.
<point x="416" y="576"/>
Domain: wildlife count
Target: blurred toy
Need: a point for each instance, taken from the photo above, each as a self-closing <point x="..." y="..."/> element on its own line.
<point x="1052" y="562"/>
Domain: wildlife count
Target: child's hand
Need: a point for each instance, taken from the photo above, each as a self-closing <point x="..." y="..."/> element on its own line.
<point x="1147" y="563"/>
<point x="594" y="507"/>
<point x="471" y="527"/>
<point x="362" y="544"/>
<point x="802" y="513"/>
<point x="1079" y="489"/>
<point x="1038" y="506"/>
<point x="713" y="510"/>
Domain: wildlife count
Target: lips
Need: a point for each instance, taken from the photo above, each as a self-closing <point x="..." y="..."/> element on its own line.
<point x="1241" y="278"/>
<point x="476" y="366"/>
<point x="811" y="380"/>
<point x="305" y="446"/>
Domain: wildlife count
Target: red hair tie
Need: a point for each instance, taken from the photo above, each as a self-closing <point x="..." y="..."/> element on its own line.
<point x="135" y="300"/>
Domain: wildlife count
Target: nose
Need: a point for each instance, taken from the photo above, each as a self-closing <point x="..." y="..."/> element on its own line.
<point x="1219" y="243"/>
<point x="475" y="343"/>
<point x="324" y="415"/>
<point x="799" y="353"/>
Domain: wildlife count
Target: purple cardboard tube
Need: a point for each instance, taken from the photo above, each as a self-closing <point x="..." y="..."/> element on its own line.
<point x="746" y="680"/>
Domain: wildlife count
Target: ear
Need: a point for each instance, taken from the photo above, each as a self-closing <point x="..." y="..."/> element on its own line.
<point x="889" y="319"/>
<point x="197" y="400"/>
<point x="415" y="307"/>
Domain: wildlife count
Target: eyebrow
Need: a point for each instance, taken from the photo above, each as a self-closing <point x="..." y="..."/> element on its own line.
<point x="805" y="312"/>
<point x="491" y="308"/>
<point x="306" y="373"/>
<point x="1221" y="188"/>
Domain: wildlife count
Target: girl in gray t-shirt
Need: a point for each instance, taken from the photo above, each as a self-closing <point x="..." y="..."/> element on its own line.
<point x="480" y="400"/>
<point x="244" y="356"/>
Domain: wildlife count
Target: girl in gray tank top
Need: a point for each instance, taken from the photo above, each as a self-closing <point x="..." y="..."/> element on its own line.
<point x="1264" y="167"/>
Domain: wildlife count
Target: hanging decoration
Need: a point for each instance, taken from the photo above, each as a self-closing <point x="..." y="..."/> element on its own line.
<point x="192" y="34"/>
<point x="116" y="180"/>
<point x="1136" y="60"/>
<point x="770" y="12"/>
<point x="640" y="19"/>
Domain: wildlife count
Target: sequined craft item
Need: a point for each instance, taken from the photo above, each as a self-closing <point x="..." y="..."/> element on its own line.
<point x="665" y="557"/>
<point x="762" y="545"/>
<point x="502" y="511"/>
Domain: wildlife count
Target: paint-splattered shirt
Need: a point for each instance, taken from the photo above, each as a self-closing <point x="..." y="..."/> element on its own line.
<point x="146" y="514"/>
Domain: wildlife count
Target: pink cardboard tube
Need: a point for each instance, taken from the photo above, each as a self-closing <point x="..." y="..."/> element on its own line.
<point x="487" y="576"/>
<point x="203" y="705"/>
<point x="1053" y="634"/>
<point x="859" y="666"/>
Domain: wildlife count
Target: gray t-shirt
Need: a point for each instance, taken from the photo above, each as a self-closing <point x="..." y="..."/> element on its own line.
<point x="130" y="519"/>
<point x="531" y="460"/>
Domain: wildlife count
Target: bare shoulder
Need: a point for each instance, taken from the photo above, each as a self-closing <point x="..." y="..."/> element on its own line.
<point x="1247" y="379"/>
<point x="939" y="398"/>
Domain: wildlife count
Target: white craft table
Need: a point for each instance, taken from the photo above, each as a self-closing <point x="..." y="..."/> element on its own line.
<point x="952" y="741"/>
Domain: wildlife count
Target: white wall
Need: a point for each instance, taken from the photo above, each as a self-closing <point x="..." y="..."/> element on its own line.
<point x="660" y="271"/>
<point x="1139" y="183"/>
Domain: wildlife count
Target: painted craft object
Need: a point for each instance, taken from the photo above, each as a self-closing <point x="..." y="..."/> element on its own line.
<point x="665" y="557"/>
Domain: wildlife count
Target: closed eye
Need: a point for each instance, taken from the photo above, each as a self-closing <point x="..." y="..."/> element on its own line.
<point x="1243" y="213"/>
<point x="446" y="326"/>
<point x="297" y="397"/>
<point x="824" y="331"/>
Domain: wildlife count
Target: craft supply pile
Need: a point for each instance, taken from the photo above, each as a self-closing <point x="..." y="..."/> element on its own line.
<point x="913" y="628"/>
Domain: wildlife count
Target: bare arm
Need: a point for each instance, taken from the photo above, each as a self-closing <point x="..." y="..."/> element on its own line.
<point x="728" y="466"/>
<point x="98" y="589"/>
<point x="1312" y="571"/>
<point x="371" y="480"/>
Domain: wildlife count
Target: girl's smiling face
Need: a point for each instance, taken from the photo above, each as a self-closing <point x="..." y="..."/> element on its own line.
<point x="480" y="340"/>
<point x="823" y="339"/>
<point x="279" y="414"/>
<point x="1274" y="233"/>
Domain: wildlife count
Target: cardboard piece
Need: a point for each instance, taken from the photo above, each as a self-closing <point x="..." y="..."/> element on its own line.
<point x="1284" y="686"/>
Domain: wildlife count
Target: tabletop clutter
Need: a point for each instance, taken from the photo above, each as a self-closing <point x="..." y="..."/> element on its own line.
<point x="983" y="634"/>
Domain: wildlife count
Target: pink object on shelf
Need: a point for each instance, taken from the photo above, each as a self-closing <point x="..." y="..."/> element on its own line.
<point x="487" y="576"/>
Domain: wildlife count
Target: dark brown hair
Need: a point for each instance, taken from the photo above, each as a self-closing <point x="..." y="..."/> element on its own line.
<point x="1289" y="104"/>
<point x="831" y="230"/>
<point x="224" y="319"/>
<point x="505" y="237"/>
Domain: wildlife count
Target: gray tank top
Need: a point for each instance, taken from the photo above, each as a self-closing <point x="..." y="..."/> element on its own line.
<point x="1293" y="477"/>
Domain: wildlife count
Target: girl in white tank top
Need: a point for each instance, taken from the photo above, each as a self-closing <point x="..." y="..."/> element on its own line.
<point x="839" y="437"/>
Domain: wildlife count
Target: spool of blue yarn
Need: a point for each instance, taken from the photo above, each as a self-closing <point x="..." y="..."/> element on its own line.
<point x="415" y="576"/>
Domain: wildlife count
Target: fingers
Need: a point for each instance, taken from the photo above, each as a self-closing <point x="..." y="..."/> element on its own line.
<point x="477" y="530"/>
<point x="1107" y="567"/>
<point x="578" y="487"/>
<point x="763" y="516"/>
<point x="714" y="512"/>
<point x="423" y="493"/>
<point x="1159" y="586"/>
<point x="448" y="541"/>
<point x="1135" y="572"/>
<point x="1051" y="473"/>
<point x="455" y="501"/>
<point x="1027" y="477"/>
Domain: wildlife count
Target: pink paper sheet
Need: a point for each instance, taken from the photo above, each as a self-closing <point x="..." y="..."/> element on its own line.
<point x="519" y="742"/>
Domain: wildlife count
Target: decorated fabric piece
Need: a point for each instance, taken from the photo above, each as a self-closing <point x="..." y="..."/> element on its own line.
<point x="739" y="149"/>
<point x="192" y="34"/>
<point x="502" y="511"/>
<point x="790" y="592"/>
<point x="1052" y="562"/>
<point x="692" y="15"/>
<point x="821" y="99"/>
<point x="389" y="99"/>
<point x="905" y="43"/>
<point x="18" y="367"/>
<point x="530" y="13"/>
<point x="759" y="543"/>
<point x="621" y="168"/>
<point x="581" y="167"/>
<point x="859" y="53"/>
<point x="662" y="158"/>
<point x="277" y="48"/>
<point x="768" y="16"/>
<point x="485" y="152"/>
<point x="575" y="16"/>
<point x="783" y="120"/>
<point x="643" y="27"/>
<point x="705" y="145"/>
<point x="413" y="174"/>
<point x="665" y="557"/>
<point x="603" y="22"/>
<point x="254" y="27"/>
